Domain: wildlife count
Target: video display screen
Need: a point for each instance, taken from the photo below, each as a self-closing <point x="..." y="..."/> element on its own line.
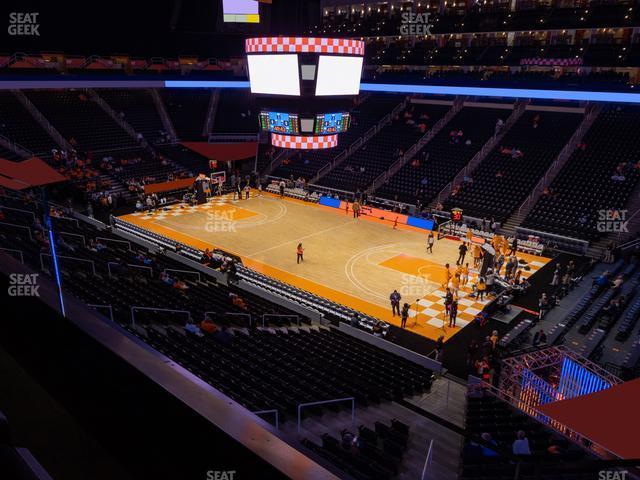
<point x="332" y="123"/>
<point x="338" y="75"/>
<point x="241" y="11"/>
<point x="274" y="74"/>
<point x="277" y="122"/>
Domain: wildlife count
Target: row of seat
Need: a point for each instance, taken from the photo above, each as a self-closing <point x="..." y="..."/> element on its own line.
<point x="585" y="187"/>
<point x="503" y="181"/>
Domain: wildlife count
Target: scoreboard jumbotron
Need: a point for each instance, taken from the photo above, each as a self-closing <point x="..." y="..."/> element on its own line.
<point x="305" y="87"/>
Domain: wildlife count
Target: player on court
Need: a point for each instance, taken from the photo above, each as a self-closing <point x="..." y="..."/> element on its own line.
<point x="430" y="241"/>
<point x="356" y="209"/>
<point x="300" y="253"/>
<point x="447" y="274"/>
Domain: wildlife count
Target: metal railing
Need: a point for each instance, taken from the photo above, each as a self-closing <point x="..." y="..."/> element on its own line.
<point x="560" y="160"/>
<point x="211" y="111"/>
<point x="15" y="251"/>
<point x="42" y="120"/>
<point x="191" y="272"/>
<point x="33" y="215"/>
<point x="84" y="240"/>
<point x="126" y="126"/>
<point x="537" y="415"/>
<point x="129" y="265"/>
<point x="135" y="309"/>
<point x="23" y="227"/>
<point x="15" y="147"/>
<point x="331" y="191"/>
<point x="275" y="315"/>
<point x="114" y="240"/>
<point x="326" y="402"/>
<point x="582" y="246"/>
<point x="164" y="115"/>
<point x="93" y="265"/>
<point x="277" y="415"/>
<point x="231" y="314"/>
<point x="518" y="110"/>
<point x="419" y="145"/>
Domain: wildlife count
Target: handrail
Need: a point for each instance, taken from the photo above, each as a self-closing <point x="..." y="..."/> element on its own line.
<point x="114" y="240"/>
<point x="68" y="219"/>
<point x="135" y="308"/>
<point x="33" y="215"/>
<point x="162" y="111"/>
<point x="233" y="314"/>
<point x="129" y="265"/>
<point x="264" y="317"/>
<point x="419" y="145"/>
<point x="324" y="402"/>
<point x="518" y="110"/>
<point x="109" y="307"/>
<point x="536" y="414"/>
<point x="84" y="240"/>
<point x="211" y="111"/>
<point x="313" y="186"/>
<point x="560" y="160"/>
<point x="529" y="231"/>
<point x="126" y="126"/>
<point x="427" y="461"/>
<point x="93" y="265"/>
<point x="14" y="250"/>
<point x="42" y="120"/>
<point x="15" y="147"/>
<point x="258" y="412"/>
<point x="184" y="271"/>
<point x="24" y="227"/>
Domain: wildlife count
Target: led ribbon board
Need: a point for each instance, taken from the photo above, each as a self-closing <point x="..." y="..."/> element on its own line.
<point x="304" y="142"/>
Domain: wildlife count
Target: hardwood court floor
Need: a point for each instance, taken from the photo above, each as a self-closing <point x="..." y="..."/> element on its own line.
<point x="356" y="262"/>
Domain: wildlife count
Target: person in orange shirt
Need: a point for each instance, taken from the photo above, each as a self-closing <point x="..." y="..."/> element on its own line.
<point x="469" y="235"/>
<point x="447" y="274"/>
<point x="477" y="256"/>
<point x="496" y="242"/>
<point x="505" y="245"/>
<point x="464" y="274"/>
<point x="208" y="326"/>
<point x="300" y="252"/>
<point x="455" y="284"/>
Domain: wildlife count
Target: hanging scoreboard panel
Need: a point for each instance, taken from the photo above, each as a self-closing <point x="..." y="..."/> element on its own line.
<point x="327" y="123"/>
<point x="278" y="122"/>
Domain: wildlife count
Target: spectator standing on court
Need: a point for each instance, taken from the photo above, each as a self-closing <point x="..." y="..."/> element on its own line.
<point x="395" y="298"/>
<point x="453" y="313"/>
<point x="404" y="315"/>
<point x="300" y="253"/>
<point x="463" y="253"/>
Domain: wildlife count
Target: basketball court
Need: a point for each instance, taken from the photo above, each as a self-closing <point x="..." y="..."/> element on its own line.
<point x="355" y="262"/>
